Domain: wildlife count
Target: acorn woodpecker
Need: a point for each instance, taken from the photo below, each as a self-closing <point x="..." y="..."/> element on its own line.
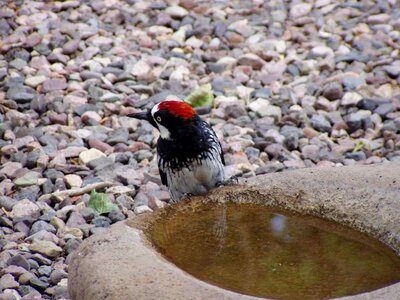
<point x="190" y="158"/>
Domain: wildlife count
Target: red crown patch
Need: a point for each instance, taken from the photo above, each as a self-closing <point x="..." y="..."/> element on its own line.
<point x="177" y="108"/>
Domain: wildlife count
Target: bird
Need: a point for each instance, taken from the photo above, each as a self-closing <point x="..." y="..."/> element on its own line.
<point x="190" y="156"/>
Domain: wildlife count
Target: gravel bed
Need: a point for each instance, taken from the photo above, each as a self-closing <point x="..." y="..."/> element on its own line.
<point x="296" y="85"/>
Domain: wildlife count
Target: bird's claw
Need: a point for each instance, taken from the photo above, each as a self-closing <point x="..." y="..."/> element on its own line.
<point x="187" y="195"/>
<point x="230" y="181"/>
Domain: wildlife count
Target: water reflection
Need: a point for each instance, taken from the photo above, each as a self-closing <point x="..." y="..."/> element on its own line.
<point x="278" y="224"/>
<point x="253" y="250"/>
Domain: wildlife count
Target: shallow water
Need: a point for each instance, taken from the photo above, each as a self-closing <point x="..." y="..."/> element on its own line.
<point x="254" y="250"/>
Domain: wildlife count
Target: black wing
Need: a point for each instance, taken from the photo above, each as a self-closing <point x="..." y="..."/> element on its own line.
<point x="163" y="177"/>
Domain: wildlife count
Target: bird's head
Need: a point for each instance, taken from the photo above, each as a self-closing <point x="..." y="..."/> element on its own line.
<point x="170" y="117"/>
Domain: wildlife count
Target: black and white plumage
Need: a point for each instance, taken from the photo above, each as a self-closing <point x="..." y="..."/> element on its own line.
<point x="190" y="158"/>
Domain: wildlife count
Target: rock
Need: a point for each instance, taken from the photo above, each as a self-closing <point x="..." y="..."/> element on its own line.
<point x="300" y="10"/>
<point x="393" y="70"/>
<point x="75" y="220"/>
<point x="252" y="60"/>
<point x="7" y="202"/>
<point x="101" y="221"/>
<point x="24" y="278"/>
<point x="87" y="156"/>
<point x="258" y="104"/>
<point x="176" y="12"/>
<point x="311" y="152"/>
<point x="42" y="225"/>
<point x="20" y="261"/>
<point x="37" y="283"/>
<point x="141" y="69"/>
<point x="142" y="209"/>
<point x="46" y="248"/>
<point x="25" y="210"/>
<point x="71" y="47"/>
<point x="378" y="19"/>
<point x="30" y="178"/>
<point x="333" y="91"/>
<point x="71" y="245"/>
<point x="351" y="99"/>
<point x="357" y="156"/>
<point x="116" y="215"/>
<point x="321" y="51"/>
<point x="320" y="123"/>
<point x="87" y="213"/>
<point x="57" y="275"/>
<point x="384" y="109"/>
<point x="51" y="85"/>
<point x="7" y="281"/>
<point x="155" y="203"/>
<point x="73" y="181"/>
<point x="270" y="167"/>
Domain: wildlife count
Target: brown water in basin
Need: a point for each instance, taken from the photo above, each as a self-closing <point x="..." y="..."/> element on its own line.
<point x="254" y="250"/>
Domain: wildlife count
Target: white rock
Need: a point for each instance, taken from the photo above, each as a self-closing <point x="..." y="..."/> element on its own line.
<point x="141" y="209"/>
<point x="194" y="42"/>
<point x="141" y="69"/>
<point x="34" y="81"/>
<point x="227" y="61"/>
<point x="73" y="181"/>
<point x="351" y="98"/>
<point x="176" y="11"/>
<point x="271" y="111"/>
<point x="89" y="155"/>
<point x="258" y="104"/>
<point x="300" y="10"/>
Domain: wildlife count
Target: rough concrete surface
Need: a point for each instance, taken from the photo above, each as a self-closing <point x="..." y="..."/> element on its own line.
<point x="121" y="264"/>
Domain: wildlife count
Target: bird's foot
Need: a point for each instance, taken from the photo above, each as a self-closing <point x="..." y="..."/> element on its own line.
<point x="187" y="195"/>
<point x="230" y="181"/>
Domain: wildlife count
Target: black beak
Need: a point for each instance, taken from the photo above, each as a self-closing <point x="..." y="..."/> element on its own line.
<point x="141" y="116"/>
<point x="144" y="116"/>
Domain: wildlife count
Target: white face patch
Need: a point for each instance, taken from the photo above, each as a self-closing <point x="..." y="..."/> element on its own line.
<point x="164" y="132"/>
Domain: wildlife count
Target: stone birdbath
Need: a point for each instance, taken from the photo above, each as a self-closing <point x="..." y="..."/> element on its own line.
<point x="121" y="263"/>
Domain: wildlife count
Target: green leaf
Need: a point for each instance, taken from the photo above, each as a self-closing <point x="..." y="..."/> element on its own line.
<point x="201" y="96"/>
<point x="101" y="203"/>
<point x="358" y="146"/>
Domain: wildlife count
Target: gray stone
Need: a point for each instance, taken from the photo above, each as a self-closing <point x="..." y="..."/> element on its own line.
<point x="71" y="46"/>
<point x="87" y="213"/>
<point x="57" y="275"/>
<point x="71" y="245"/>
<point x="7" y="202"/>
<point x="51" y="85"/>
<point x="30" y="178"/>
<point x="357" y="156"/>
<point x="42" y="225"/>
<point x="116" y="215"/>
<point x="384" y="109"/>
<point x="75" y="220"/>
<point x="300" y="10"/>
<point x="20" y="261"/>
<point x="101" y="221"/>
<point x="320" y="123"/>
<point x="45" y="270"/>
<point x="37" y="283"/>
<point x="311" y="152"/>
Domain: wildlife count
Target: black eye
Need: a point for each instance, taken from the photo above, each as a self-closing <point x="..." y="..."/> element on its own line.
<point x="158" y="119"/>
